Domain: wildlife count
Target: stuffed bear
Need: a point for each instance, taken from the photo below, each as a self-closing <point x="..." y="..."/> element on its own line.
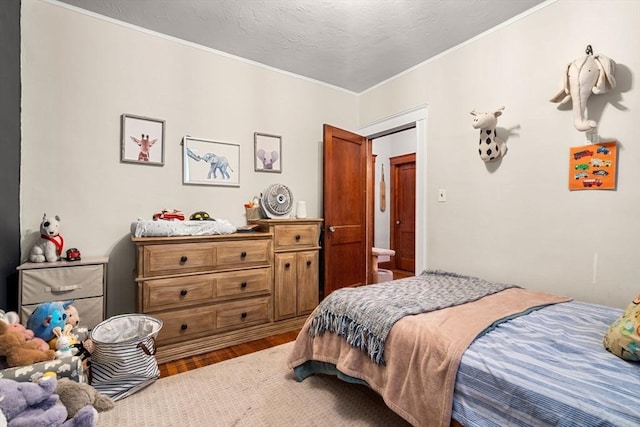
<point x="13" y="321"/>
<point x="76" y="396"/>
<point x="47" y="316"/>
<point x="73" y="317"/>
<point x="49" y="246"/>
<point x="18" y="351"/>
<point x="36" y="405"/>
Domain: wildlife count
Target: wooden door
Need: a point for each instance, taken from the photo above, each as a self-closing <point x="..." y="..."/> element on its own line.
<point x="346" y="167"/>
<point x="403" y="211"/>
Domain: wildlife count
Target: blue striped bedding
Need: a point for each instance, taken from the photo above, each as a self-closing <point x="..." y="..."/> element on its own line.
<point x="548" y="368"/>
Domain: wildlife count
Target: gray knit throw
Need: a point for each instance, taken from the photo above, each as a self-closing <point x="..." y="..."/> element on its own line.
<point x="364" y="315"/>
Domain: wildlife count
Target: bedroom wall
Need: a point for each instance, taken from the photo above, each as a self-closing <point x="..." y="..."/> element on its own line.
<point x="516" y="220"/>
<point x="81" y="72"/>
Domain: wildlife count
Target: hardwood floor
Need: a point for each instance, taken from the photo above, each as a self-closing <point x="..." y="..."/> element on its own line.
<point x="401" y="274"/>
<point x="194" y="362"/>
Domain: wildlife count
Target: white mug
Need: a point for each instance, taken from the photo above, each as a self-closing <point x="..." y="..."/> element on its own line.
<point x="301" y="210"/>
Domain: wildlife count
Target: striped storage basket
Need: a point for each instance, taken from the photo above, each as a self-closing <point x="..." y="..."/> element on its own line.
<point x="123" y="361"/>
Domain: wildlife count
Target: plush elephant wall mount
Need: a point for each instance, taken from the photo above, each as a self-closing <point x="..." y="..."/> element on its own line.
<point x="584" y="76"/>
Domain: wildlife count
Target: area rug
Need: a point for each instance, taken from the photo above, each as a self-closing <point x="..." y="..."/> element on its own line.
<point x="253" y="390"/>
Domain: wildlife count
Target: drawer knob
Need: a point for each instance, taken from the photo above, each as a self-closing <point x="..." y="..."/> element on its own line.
<point x="297" y="237"/>
<point x="243" y="285"/>
<point x="243" y="254"/>
<point x="184" y="326"/>
<point x="183" y="292"/>
<point x="183" y="259"/>
<point x="244" y="315"/>
<point x="308" y="263"/>
<point x="287" y="265"/>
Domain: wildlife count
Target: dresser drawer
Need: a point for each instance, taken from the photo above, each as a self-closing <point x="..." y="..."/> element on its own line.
<point x="179" y="325"/>
<point x="177" y="292"/>
<point x="241" y="253"/>
<point x="90" y="310"/>
<point x="242" y="313"/>
<point x="241" y="283"/>
<point x="61" y="283"/>
<point x="296" y="236"/>
<point x="160" y="260"/>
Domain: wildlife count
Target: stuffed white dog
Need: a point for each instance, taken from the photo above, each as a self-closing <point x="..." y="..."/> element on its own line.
<point x="49" y="246"/>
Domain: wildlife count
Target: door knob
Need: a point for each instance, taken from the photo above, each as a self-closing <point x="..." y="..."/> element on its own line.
<point x="398" y="222"/>
<point x="332" y="229"/>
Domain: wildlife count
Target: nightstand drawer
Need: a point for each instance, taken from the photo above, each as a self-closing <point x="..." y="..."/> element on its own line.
<point x="296" y="236"/>
<point x="90" y="310"/>
<point x="238" y="254"/>
<point x="160" y="260"/>
<point x="61" y="283"/>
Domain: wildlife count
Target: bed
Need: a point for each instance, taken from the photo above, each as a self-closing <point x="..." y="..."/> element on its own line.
<point x="502" y="356"/>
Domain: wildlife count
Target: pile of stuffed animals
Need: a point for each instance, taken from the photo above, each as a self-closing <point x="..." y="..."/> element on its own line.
<point x="48" y="401"/>
<point x="51" y="402"/>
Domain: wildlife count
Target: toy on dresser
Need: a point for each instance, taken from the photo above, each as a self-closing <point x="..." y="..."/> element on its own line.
<point x="49" y="246"/>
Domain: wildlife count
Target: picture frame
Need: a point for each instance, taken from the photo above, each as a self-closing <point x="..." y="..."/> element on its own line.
<point x="208" y="162"/>
<point x="267" y="152"/>
<point x="593" y="166"/>
<point x="142" y="140"/>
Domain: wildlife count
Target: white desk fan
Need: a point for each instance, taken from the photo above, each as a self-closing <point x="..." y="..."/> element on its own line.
<point x="277" y="201"/>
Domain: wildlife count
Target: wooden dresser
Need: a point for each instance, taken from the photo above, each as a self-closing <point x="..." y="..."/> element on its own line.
<point x="210" y="291"/>
<point x="297" y="261"/>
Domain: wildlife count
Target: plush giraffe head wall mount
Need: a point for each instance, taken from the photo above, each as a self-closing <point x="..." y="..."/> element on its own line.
<point x="491" y="147"/>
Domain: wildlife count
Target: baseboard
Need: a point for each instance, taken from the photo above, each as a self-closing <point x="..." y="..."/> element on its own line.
<point x="169" y="352"/>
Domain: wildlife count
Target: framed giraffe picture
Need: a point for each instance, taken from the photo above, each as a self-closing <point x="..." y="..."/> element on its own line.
<point x="142" y="140"/>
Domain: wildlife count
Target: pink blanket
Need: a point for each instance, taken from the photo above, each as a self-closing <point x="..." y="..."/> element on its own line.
<point x="422" y="353"/>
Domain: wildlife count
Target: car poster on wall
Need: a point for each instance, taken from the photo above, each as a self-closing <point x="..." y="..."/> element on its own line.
<point x="593" y="166"/>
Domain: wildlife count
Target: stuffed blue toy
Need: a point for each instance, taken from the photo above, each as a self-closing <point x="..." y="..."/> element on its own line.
<point x="47" y="316"/>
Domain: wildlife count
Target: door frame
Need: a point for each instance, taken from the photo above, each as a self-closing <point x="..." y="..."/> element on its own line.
<point x="418" y="117"/>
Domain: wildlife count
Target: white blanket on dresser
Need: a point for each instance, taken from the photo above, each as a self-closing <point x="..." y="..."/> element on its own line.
<point x="164" y="228"/>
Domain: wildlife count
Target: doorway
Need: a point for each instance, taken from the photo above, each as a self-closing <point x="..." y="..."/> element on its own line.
<point x="415" y="118"/>
<point x="394" y="221"/>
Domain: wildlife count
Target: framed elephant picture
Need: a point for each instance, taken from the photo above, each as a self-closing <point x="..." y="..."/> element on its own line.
<point x="207" y="162"/>
<point x="267" y="156"/>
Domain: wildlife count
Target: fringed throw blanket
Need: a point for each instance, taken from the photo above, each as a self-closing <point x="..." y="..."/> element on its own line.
<point x="364" y="316"/>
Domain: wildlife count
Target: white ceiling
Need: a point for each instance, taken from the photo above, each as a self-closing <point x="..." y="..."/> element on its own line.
<point x="352" y="44"/>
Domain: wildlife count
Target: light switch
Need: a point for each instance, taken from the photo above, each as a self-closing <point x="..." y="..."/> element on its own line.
<point x="442" y="195"/>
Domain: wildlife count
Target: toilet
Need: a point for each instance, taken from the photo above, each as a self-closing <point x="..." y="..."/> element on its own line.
<point x="381" y="275"/>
